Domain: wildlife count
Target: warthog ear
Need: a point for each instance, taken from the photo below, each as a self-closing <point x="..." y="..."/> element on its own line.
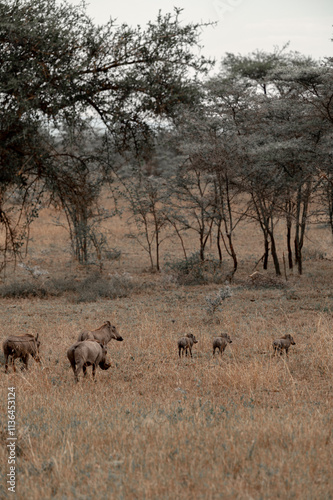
<point x="107" y="323"/>
<point x="36" y="338"/>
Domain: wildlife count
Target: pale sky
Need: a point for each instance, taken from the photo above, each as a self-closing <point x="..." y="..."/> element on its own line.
<point x="243" y="25"/>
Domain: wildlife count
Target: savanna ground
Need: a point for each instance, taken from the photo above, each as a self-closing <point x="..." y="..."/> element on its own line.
<point x="241" y="426"/>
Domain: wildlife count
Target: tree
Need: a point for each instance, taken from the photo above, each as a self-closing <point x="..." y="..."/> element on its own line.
<point x="146" y="197"/>
<point x="283" y="140"/>
<point x="58" y="67"/>
<point x="75" y="183"/>
<point x="312" y="83"/>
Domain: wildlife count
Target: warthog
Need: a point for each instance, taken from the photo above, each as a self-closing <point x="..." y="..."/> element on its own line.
<point x="20" y="346"/>
<point x="103" y="334"/>
<point x="186" y="344"/>
<point x="283" y="343"/>
<point x="221" y="342"/>
<point x="87" y="353"/>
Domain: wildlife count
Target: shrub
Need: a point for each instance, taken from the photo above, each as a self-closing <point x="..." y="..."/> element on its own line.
<point x="194" y="271"/>
<point x="87" y="290"/>
<point x="112" y="254"/>
<point x="214" y="301"/>
<point x="19" y="289"/>
<point x="95" y="286"/>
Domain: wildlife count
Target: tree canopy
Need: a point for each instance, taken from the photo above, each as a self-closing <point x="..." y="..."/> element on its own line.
<point x="58" y="69"/>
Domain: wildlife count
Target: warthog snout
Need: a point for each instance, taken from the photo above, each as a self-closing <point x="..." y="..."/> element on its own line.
<point x="105" y="365"/>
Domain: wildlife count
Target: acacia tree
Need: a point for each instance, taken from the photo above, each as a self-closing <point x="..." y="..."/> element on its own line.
<point x="311" y="83"/>
<point x="228" y="100"/>
<point x="57" y="66"/>
<point x="283" y="138"/>
<point x="207" y="178"/>
<point x="193" y="201"/>
<point x="146" y="199"/>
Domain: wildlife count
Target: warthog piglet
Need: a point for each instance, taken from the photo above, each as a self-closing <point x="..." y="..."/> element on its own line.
<point x="283" y="343"/>
<point x="186" y="344"/>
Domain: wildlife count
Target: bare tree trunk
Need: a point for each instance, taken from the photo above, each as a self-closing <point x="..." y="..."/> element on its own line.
<point x="157" y="243"/>
<point x="290" y="252"/>
<point x="273" y="249"/>
<point x="266" y="253"/>
<point x="218" y="241"/>
<point x="301" y="219"/>
<point x="233" y="254"/>
<point x="202" y="247"/>
<point x="274" y="255"/>
<point x="289" y="205"/>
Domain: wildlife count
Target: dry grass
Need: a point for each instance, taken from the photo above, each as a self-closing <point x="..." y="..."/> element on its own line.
<point x="241" y="426"/>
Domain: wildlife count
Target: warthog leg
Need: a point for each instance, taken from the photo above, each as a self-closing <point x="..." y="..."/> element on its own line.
<point x="6" y="362"/>
<point x="78" y="368"/>
<point x="25" y="360"/>
<point x="12" y="362"/>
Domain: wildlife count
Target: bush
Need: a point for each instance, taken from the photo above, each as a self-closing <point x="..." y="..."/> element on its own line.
<point x="112" y="254"/>
<point x="215" y="300"/>
<point x="87" y="290"/>
<point x="194" y="271"/>
<point x="18" y="289"/>
<point x="95" y="286"/>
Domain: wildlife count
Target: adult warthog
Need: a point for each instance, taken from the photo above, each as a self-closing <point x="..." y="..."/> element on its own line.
<point x="103" y="334"/>
<point x="87" y="353"/>
<point x="221" y="342"/>
<point x="21" y="346"/>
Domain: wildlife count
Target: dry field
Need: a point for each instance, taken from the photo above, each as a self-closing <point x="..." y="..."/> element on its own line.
<point x="241" y="426"/>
